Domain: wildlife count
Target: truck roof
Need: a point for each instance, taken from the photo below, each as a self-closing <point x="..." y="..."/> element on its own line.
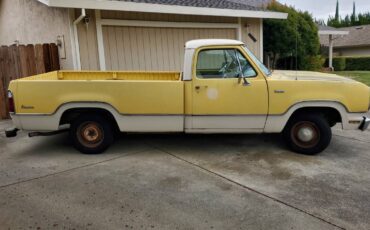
<point x="194" y="44"/>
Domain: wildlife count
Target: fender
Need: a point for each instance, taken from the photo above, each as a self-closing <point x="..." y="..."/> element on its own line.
<point x="50" y="122"/>
<point x="276" y="123"/>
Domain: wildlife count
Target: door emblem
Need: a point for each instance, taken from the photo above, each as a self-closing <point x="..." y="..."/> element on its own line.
<point x="27" y="107"/>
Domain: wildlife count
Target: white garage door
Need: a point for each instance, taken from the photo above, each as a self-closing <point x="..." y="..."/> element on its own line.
<point x="139" y="48"/>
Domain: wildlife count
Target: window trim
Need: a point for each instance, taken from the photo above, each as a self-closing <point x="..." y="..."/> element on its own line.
<point x="238" y="48"/>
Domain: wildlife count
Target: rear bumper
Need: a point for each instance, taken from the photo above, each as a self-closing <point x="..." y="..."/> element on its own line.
<point x="11" y="132"/>
<point x="365" y="124"/>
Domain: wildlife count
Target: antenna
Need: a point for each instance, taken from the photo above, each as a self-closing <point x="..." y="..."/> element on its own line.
<point x="296" y="52"/>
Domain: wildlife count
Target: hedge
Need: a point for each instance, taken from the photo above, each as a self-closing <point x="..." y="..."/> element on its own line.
<point x="351" y="63"/>
<point x="339" y="63"/>
<point x="360" y="63"/>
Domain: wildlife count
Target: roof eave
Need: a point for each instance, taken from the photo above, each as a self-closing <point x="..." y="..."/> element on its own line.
<point x="158" y="8"/>
<point x="333" y="32"/>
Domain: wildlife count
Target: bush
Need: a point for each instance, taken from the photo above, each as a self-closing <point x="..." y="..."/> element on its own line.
<point x="350" y="63"/>
<point x="314" y="63"/>
<point x="358" y="63"/>
<point x="311" y="63"/>
<point x="339" y="63"/>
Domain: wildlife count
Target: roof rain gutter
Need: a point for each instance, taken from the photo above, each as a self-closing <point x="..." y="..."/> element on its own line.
<point x="75" y="34"/>
<point x="161" y="8"/>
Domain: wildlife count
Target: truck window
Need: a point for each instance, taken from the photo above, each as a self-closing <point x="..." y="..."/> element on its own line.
<point x="223" y="63"/>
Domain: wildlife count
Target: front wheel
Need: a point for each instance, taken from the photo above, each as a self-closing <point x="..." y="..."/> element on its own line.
<point x="308" y="134"/>
<point x="91" y="134"/>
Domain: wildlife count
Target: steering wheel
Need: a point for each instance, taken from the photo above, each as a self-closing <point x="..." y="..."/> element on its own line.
<point x="224" y="69"/>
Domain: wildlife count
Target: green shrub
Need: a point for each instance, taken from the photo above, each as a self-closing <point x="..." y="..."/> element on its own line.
<point x="358" y="63"/>
<point x="314" y="63"/>
<point x="350" y="63"/>
<point x="339" y="63"/>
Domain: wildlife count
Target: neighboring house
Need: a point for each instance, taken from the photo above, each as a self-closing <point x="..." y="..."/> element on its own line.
<point x="329" y="34"/>
<point x="130" y="34"/>
<point x="356" y="43"/>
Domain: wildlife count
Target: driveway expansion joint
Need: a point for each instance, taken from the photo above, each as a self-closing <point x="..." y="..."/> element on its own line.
<point x="71" y="169"/>
<point x="246" y="187"/>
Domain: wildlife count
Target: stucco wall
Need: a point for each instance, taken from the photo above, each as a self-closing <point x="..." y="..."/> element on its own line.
<point x="31" y="22"/>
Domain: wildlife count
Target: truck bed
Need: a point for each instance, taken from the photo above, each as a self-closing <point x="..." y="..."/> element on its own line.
<point x="107" y="75"/>
<point x="127" y="92"/>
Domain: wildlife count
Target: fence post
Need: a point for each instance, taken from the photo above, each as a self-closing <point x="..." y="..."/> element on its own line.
<point x="54" y="57"/>
<point x="40" y="59"/>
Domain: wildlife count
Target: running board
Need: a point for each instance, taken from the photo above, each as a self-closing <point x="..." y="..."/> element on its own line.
<point x="45" y="134"/>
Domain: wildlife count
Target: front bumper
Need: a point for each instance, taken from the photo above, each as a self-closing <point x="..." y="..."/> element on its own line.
<point x="365" y="124"/>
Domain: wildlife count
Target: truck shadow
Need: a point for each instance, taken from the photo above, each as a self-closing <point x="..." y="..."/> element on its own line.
<point x="189" y="142"/>
<point x="261" y="144"/>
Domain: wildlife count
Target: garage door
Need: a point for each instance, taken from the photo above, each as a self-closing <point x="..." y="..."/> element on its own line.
<point x="140" y="48"/>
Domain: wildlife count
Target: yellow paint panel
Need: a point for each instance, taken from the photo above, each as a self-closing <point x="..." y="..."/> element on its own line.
<point x="135" y="96"/>
<point x="107" y="75"/>
<point x="353" y="95"/>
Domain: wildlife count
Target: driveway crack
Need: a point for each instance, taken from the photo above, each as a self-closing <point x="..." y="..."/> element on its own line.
<point x="71" y="169"/>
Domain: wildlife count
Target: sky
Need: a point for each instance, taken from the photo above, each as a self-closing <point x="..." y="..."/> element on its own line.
<point x="321" y="9"/>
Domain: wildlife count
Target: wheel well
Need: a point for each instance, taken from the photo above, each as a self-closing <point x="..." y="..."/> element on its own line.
<point x="71" y="114"/>
<point x="332" y="115"/>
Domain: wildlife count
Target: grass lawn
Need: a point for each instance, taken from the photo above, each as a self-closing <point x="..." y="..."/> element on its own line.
<point x="362" y="76"/>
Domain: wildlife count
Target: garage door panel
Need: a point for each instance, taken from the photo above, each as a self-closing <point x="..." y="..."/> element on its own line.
<point x="142" y="48"/>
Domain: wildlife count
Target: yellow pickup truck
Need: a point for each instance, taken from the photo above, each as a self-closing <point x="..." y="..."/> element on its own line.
<point x="223" y="88"/>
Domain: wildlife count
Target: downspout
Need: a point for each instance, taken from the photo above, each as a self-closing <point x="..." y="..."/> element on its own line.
<point x="77" y="45"/>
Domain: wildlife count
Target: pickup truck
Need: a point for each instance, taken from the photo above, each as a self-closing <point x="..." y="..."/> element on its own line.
<point x="223" y="88"/>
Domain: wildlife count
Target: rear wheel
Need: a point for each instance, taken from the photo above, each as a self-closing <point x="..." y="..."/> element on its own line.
<point x="91" y="134"/>
<point x="308" y="134"/>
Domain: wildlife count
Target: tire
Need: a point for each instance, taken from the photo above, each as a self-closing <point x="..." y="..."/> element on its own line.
<point x="91" y="134"/>
<point x="308" y="134"/>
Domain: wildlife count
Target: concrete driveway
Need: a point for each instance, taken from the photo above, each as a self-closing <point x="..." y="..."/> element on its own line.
<point x="184" y="182"/>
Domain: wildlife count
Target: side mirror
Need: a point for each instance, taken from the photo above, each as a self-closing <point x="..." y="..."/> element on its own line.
<point x="246" y="82"/>
<point x="244" y="79"/>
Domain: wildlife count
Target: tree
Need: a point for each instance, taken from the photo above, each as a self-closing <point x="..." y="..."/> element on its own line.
<point x="337" y="12"/>
<point x="335" y="22"/>
<point x="353" y="16"/>
<point x="294" y="39"/>
<point x="349" y="20"/>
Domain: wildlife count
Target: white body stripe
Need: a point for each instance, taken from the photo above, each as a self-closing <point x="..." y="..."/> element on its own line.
<point x="181" y="123"/>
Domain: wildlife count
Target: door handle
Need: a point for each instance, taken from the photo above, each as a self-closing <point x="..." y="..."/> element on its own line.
<point x="199" y="87"/>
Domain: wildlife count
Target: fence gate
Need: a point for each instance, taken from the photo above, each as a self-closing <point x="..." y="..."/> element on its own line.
<point x="19" y="61"/>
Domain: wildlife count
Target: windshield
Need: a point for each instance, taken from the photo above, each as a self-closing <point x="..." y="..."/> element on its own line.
<point x="258" y="62"/>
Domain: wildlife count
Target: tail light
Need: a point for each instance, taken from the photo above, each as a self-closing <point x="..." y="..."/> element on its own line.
<point x="11" y="102"/>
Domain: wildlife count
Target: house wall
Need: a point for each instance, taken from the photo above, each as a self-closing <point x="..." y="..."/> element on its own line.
<point x="31" y="22"/>
<point x="254" y="26"/>
<point x="352" y="51"/>
<point x="88" y="36"/>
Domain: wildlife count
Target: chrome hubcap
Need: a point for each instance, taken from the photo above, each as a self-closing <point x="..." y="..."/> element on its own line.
<point x="306" y="134"/>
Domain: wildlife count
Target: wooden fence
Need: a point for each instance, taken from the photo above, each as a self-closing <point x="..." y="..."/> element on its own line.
<point x="19" y="61"/>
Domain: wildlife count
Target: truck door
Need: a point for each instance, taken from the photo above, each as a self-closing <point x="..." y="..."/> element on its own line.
<point x="222" y="100"/>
